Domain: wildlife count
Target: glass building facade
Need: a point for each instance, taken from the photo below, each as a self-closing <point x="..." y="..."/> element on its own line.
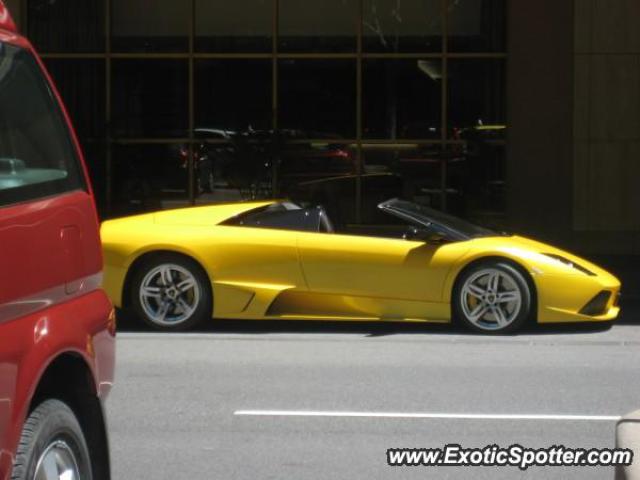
<point x="341" y="102"/>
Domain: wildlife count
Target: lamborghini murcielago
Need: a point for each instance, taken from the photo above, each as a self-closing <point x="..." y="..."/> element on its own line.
<point x="278" y="260"/>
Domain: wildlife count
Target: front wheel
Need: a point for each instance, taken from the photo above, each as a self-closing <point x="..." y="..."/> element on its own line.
<point x="493" y="297"/>
<point x="171" y="292"/>
<point x="52" y="446"/>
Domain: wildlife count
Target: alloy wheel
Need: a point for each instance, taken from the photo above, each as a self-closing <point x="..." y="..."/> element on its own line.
<point x="169" y="294"/>
<point x="490" y="299"/>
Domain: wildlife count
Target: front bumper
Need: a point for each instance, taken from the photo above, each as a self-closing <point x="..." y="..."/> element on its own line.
<point x="577" y="298"/>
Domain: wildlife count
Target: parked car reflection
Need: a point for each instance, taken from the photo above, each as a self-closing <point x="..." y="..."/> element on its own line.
<point x="260" y="163"/>
<point x="467" y="176"/>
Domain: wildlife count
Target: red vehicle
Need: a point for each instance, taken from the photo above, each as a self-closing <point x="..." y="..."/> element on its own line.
<point x="57" y="328"/>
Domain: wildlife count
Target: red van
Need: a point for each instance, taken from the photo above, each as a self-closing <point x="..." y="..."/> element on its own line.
<point x="57" y="328"/>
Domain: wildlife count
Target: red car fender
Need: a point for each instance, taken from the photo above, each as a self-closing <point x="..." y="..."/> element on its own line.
<point x="34" y="342"/>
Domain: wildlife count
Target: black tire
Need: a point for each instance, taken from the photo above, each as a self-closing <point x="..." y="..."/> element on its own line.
<point x="51" y="423"/>
<point x="518" y="280"/>
<point x="203" y="308"/>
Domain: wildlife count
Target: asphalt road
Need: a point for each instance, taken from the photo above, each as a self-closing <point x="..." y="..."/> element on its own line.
<point x="172" y="412"/>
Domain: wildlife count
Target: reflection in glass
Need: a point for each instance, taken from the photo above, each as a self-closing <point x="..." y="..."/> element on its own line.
<point x="317" y="98"/>
<point x="233" y="155"/>
<point x="327" y="26"/>
<point x="476" y="25"/>
<point x="147" y="178"/>
<point x="66" y="26"/>
<point x="233" y="94"/>
<point x="238" y="26"/>
<point x="78" y="81"/>
<point x="402" y="26"/>
<point x="143" y="26"/>
<point x="409" y="171"/>
<point x="231" y="166"/>
<point x="477" y="120"/>
<point x="320" y="173"/>
<point x="402" y="98"/>
<point x="312" y="158"/>
<point x="480" y="178"/>
<point x="476" y="94"/>
<point x="150" y="98"/>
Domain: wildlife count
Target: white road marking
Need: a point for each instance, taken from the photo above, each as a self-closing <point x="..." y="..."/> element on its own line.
<point x="462" y="416"/>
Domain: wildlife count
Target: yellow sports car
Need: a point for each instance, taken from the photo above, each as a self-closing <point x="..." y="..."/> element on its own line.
<point x="277" y="260"/>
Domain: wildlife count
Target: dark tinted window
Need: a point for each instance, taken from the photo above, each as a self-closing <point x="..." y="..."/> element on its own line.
<point x="402" y="98"/>
<point x="477" y="25"/>
<point x="237" y="26"/>
<point x="149" y="177"/>
<point x="327" y="26"/>
<point x="409" y="171"/>
<point x="67" y="26"/>
<point x="394" y="26"/>
<point x="476" y="93"/>
<point x="150" y="98"/>
<point x="317" y="98"/>
<point x="319" y="173"/>
<point x="77" y="81"/>
<point x="143" y="26"/>
<point x="233" y="94"/>
<point x="37" y="157"/>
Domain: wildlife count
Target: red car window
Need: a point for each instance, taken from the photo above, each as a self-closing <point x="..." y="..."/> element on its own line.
<point x="37" y="158"/>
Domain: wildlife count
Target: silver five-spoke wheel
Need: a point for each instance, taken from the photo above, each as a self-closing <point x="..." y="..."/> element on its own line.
<point x="169" y="291"/>
<point x="57" y="462"/>
<point x="491" y="299"/>
<point x="169" y="294"/>
<point x="492" y="296"/>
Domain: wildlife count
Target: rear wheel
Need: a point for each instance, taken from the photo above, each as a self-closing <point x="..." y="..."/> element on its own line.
<point x="171" y="292"/>
<point x="492" y="296"/>
<point x="52" y="446"/>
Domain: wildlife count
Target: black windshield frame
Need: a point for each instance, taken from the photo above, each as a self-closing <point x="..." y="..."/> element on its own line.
<point x="448" y="226"/>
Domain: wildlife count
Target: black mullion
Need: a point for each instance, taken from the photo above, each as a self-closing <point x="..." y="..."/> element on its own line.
<point x="275" y="137"/>
<point x="359" y="153"/>
<point x="444" y="105"/>
<point x="108" y="113"/>
<point x="191" y="187"/>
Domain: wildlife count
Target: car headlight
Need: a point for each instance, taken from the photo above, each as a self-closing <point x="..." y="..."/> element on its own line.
<point x="570" y="264"/>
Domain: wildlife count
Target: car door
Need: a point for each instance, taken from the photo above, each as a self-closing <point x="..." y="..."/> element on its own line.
<point x="48" y="226"/>
<point x="390" y="273"/>
<point x="255" y="260"/>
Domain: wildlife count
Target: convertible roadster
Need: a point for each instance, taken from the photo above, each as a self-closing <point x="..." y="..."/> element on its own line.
<point x="278" y="260"/>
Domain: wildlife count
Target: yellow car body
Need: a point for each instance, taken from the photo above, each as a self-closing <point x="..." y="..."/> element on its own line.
<point x="270" y="273"/>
